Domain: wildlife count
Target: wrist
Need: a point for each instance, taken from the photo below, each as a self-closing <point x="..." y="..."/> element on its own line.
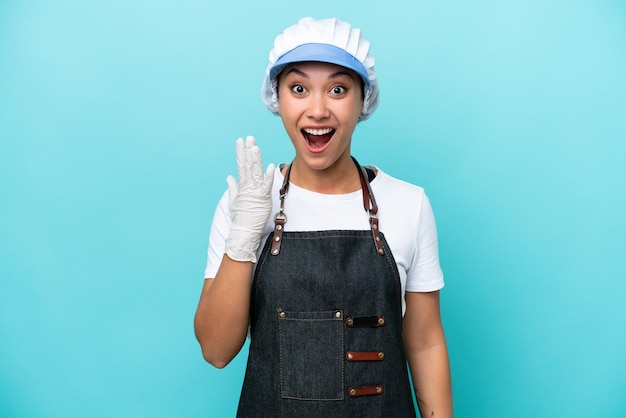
<point x="242" y="245"/>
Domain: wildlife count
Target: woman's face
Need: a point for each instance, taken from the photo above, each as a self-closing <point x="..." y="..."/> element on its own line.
<point x="320" y="105"/>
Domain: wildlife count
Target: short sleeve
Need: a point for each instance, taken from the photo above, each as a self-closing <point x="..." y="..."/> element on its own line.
<point x="424" y="273"/>
<point x="220" y="228"/>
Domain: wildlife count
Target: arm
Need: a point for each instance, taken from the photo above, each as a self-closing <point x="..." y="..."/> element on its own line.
<point x="221" y="320"/>
<point x="427" y="354"/>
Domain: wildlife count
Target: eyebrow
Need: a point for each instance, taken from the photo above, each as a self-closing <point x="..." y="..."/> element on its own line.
<point x="303" y="74"/>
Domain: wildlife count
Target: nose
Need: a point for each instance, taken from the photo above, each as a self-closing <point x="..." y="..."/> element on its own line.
<point x="318" y="107"/>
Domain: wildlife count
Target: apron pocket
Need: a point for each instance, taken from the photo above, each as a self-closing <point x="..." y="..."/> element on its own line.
<point x="311" y="355"/>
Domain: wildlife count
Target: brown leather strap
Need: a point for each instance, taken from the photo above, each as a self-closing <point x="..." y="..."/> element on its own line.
<point x="279" y="227"/>
<point x="366" y="391"/>
<point x="365" y="356"/>
<point x="369" y="204"/>
<point x="280" y="219"/>
<point x="365" y="321"/>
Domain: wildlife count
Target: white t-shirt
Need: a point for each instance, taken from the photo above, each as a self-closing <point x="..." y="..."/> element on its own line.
<point x="404" y="213"/>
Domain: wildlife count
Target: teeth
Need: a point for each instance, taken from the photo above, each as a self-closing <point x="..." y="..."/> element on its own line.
<point x="317" y="131"/>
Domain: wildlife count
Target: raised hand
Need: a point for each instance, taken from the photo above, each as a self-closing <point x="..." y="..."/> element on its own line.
<point x="249" y="201"/>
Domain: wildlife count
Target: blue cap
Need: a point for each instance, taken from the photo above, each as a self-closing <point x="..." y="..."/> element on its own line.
<point x="320" y="53"/>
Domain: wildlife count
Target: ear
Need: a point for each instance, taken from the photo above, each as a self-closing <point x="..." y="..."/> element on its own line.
<point x="278" y="101"/>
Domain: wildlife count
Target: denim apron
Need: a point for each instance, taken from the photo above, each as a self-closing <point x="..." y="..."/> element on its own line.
<point x="326" y="325"/>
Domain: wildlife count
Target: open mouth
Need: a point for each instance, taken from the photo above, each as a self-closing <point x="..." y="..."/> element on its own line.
<point x="317" y="139"/>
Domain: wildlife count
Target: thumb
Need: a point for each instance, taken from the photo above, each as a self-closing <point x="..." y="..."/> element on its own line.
<point x="233" y="188"/>
<point x="268" y="181"/>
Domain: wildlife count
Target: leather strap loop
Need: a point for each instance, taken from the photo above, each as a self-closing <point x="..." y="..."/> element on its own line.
<point x="279" y="227"/>
<point x="365" y="356"/>
<point x="366" y="391"/>
<point x="365" y="321"/>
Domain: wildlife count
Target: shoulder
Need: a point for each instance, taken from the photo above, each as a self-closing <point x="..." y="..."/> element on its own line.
<point x="393" y="194"/>
<point x="384" y="180"/>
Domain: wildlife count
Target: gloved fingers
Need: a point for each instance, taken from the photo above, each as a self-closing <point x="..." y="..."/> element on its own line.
<point x="250" y="167"/>
<point x="256" y="164"/>
<point x="241" y="150"/>
<point x="268" y="180"/>
<point x="246" y="174"/>
<point x="250" y="141"/>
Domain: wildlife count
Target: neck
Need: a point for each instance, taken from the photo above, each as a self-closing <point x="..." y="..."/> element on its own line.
<point x="338" y="179"/>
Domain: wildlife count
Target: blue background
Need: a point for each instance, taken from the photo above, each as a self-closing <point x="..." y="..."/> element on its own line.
<point x="117" y="129"/>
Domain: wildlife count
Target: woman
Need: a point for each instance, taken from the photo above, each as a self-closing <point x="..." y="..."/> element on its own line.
<point x="335" y="292"/>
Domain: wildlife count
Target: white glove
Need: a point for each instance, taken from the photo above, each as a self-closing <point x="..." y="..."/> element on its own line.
<point x="249" y="202"/>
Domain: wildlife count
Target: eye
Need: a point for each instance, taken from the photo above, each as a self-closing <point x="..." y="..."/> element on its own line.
<point x="338" y="90"/>
<point x="298" y="89"/>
